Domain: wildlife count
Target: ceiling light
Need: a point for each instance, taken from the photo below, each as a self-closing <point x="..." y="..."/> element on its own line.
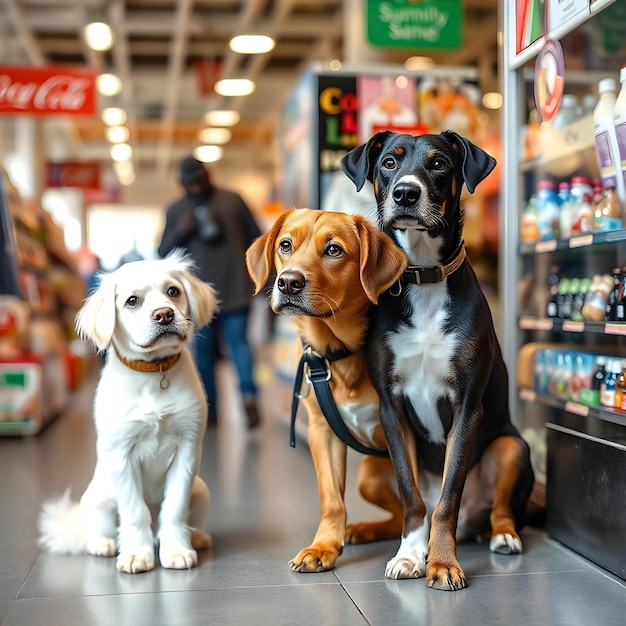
<point x="113" y="116"/>
<point x="414" y="64"/>
<point x="221" y="118"/>
<point x="117" y="134"/>
<point x="208" y="154"/>
<point x="121" y="152"/>
<point x="123" y="168"/>
<point x="109" y="84"/>
<point x="251" y="44"/>
<point x="492" y="100"/>
<point x="215" y="135"/>
<point x="98" y="36"/>
<point x="234" y="87"/>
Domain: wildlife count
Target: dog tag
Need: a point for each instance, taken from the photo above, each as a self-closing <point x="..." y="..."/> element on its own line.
<point x="164" y="383"/>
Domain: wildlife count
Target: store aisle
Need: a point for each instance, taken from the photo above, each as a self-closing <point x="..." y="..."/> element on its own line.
<point x="264" y="509"/>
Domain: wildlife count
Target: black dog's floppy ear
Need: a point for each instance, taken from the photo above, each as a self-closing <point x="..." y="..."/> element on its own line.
<point x="358" y="164"/>
<point x="477" y="164"/>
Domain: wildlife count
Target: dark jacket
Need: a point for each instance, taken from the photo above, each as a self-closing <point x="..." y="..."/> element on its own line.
<point x="222" y="262"/>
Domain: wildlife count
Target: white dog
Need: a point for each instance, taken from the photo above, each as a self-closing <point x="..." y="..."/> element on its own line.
<point x="150" y="413"/>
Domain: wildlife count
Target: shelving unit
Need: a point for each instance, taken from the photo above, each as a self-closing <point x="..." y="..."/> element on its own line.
<point x="573" y="445"/>
<point x="43" y="293"/>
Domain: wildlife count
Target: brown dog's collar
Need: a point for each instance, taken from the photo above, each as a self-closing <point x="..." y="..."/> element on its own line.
<point x="425" y="275"/>
<point x="148" y="366"/>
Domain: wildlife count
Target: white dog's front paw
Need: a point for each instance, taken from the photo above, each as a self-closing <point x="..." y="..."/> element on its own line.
<point x="504" y="543"/>
<point x="102" y="546"/>
<point x="136" y="561"/>
<point x="178" y="557"/>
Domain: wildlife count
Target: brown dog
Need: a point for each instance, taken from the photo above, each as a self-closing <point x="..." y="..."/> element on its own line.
<point x="329" y="268"/>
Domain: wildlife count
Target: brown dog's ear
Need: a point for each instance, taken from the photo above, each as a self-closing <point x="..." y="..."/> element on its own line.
<point x="260" y="255"/>
<point x="477" y="164"/>
<point x="382" y="261"/>
<point x="95" y="322"/>
<point x="358" y="164"/>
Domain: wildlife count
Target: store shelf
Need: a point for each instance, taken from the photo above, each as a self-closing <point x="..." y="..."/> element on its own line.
<point x="570" y="406"/>
<point x="579" y="241"/>
<point x="527" y="322"/>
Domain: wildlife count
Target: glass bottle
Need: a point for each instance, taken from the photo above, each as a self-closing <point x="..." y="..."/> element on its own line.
<point x="597" y="378"/>
<point x="553" y="286"/>
<point x="620" y="389"/>
<point x="611" y="303"/>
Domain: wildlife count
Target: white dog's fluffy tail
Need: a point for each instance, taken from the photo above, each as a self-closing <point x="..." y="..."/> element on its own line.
<point x="61" y="526"/>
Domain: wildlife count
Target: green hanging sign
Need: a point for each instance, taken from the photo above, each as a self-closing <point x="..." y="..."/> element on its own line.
<point x="436" y="24"/>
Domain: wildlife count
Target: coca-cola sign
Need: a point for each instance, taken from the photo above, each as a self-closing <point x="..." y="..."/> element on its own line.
<point x="48" y="90"/>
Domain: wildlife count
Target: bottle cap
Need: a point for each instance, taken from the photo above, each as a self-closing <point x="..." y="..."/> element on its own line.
<point x="546" y="184"/>
<point x="606" y="85"/>
<point x="580" y="180"/>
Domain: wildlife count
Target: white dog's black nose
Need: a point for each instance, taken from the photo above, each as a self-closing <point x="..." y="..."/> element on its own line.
<point x="291" y="281"/>
<point x="406" y="195"/>
<point x="163" y="316"/>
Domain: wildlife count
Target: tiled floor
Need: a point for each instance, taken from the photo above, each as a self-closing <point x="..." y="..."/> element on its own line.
<point x="264" y="509"/>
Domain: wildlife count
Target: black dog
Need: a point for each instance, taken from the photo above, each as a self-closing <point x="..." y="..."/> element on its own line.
<point x="436" y="363"/>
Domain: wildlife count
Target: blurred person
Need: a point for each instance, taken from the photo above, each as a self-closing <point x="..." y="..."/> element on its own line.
<point x="216" y="227"/>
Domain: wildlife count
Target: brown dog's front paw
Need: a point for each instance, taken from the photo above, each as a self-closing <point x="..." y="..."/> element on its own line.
<point x="445" y="577"/>
<point x="315" y="558"/>
<point x="366" y="532"/>
<point x="200" y="540"/>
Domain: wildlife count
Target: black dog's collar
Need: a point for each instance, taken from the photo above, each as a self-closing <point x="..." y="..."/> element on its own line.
<point x="425" y="275"/>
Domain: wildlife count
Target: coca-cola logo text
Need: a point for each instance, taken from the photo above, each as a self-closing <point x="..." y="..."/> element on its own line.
<point x="43" y="91"/>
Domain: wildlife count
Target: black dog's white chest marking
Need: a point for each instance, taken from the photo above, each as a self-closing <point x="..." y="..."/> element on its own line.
<point x="423" y="355"/>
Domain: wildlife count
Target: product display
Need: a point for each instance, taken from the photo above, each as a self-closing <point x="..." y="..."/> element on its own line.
<point x="37" y="365"/>
<point x="571" y="414"/>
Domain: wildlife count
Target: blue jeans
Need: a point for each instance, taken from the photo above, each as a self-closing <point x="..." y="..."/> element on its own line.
<point x="233" y="329"/>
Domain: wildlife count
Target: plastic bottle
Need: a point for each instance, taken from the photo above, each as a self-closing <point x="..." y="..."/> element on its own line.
<point x="548" y="206"/>
<point x="528" y="222"/>
<point x="567" y="213"/>
<point x="620" y="389"/>
<point x="579" y="206"/>
<point x="597" y="378"/>
<point x="607" y="390"/>
<point x="568" y="113"/>
<point x="607" y="213"/>
<point x="605" y="136"/>
<point x="619" y="113"/>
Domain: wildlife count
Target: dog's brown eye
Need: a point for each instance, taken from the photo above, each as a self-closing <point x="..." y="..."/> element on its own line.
<point x="389" y="163"/>
<point x="285" y="246"/>
<point x="334" y="250"/>
<point x="132" y="302"/>
<point x="172" y="292"/>
<point x="440" y="165"/>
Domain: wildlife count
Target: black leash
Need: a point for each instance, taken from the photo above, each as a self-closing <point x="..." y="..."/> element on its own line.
<point x="316" y="368"/>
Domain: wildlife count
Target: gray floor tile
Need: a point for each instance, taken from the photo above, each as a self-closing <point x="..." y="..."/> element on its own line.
<point x="574" y="598"/>
<point x="261" y="606"/>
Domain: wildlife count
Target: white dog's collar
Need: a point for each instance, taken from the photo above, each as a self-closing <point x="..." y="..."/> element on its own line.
<point x="150" y="366"/>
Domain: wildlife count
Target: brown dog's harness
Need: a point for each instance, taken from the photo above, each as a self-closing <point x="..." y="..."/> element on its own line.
<point x="417" y="275"/>
<point x="315" y="367"/>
